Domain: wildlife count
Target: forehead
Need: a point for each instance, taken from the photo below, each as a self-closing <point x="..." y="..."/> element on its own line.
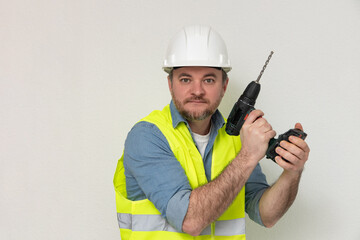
<point x="197" y="71"/>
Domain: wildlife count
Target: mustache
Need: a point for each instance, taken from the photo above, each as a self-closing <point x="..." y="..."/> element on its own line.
<point x="196" y="98"/>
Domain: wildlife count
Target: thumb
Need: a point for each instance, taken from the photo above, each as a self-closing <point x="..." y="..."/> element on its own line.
<point x="299" y="126"/>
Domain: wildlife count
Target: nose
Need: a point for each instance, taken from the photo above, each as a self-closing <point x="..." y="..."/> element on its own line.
<point x="198" y="88"/>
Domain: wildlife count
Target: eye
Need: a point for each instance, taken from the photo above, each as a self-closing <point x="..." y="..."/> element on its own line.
<point x="185" y="80"/>
<point x="209" y="80"/>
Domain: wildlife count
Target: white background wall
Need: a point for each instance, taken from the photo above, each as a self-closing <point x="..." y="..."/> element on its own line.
<point x="76" y="75"/>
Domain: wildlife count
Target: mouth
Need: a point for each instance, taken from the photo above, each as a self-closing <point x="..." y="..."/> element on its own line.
<point x="196" y="101"/>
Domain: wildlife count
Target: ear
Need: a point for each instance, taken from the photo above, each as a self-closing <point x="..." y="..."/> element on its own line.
<point x="169" y="83"/>
<point x="225" y="86"/>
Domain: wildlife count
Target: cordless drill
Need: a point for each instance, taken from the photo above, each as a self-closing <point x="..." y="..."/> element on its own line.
<point x="245" y="105"/>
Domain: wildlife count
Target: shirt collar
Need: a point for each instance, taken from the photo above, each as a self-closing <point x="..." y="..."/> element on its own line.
<point x="216" y="119"/>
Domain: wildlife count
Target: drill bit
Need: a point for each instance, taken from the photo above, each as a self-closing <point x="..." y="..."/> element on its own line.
<point x="262" y="71"/>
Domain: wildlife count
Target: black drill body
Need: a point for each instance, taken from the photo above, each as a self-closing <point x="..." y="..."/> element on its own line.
<point x="242" y="109"/>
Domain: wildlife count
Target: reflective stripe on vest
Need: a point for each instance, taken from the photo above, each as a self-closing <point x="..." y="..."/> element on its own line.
<point x="158" y="223"/>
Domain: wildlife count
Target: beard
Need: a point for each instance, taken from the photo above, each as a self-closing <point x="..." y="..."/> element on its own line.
<point x="195" y="115"/>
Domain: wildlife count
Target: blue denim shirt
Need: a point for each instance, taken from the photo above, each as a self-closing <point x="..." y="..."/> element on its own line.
<point x="153" y="172"/>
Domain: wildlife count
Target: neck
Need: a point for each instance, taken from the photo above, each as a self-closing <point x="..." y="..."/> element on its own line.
<point x="201" y="127"/>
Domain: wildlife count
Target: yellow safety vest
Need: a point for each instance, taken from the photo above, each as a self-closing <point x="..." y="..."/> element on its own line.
<point x="140" y="220"/>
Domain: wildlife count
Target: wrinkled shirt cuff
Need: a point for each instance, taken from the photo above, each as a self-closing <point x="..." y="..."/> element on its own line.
<point x="177" y="208"/>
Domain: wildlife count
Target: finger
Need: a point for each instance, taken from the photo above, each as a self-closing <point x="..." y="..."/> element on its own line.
<point x="270" y="134"/>
<point x="261" y="122"/>
<point x="287" y="155"/>
<point x="283" y="163"/>
<point x="300" y="143"/>
<point x="299" y="126"/>
<point x="293" y="149"/>
<point x="261" y="125"/>
<point x="253" y="116"/>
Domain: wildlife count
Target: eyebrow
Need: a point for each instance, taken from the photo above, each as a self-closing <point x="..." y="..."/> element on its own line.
<point x="184" y="75"/>
<point x="188" y="75"/>
<point x="210" y="75"/>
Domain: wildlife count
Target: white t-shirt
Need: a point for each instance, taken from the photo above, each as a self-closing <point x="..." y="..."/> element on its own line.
<point x="202" y="141"/>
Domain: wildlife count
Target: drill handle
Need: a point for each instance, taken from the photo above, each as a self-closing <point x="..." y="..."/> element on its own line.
<point x="237" y="117"/>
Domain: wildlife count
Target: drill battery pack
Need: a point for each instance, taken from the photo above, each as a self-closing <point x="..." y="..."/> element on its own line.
<point x="274" y="143"/>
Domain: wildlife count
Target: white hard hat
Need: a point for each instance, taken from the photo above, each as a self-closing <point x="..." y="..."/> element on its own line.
<point x="197" y="46"/>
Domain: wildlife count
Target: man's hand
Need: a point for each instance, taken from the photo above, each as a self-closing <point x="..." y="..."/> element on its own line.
<point x="296" y="152"/>
<point x="255" y="135"/>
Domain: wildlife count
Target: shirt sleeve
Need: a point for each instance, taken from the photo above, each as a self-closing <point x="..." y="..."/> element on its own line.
<point x="152" y="170"/>
<point x="254" y="189"/>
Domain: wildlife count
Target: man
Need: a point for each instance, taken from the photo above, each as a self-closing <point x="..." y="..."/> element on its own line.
<point x="181" y="175"/>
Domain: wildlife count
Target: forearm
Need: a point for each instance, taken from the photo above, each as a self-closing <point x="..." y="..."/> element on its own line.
<point x="209" y="201"/>
<point x="277" y="199"/>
